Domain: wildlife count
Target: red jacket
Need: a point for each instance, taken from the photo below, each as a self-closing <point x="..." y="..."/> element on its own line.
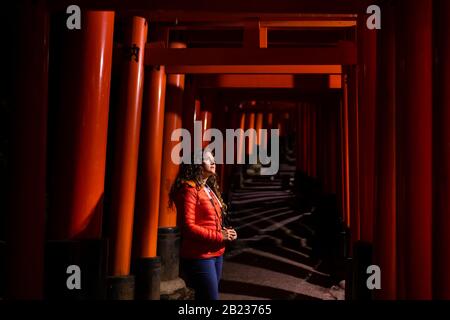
<point x="199" y="223"/>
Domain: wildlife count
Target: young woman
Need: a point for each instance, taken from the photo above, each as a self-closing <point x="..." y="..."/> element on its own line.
<point x="200" y="212"/>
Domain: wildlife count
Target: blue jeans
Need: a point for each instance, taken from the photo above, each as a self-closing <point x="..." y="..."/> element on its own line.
<point x="203" y="275"/>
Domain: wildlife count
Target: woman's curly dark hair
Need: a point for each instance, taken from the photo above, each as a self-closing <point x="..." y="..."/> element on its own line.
<point x="194" y="172"/>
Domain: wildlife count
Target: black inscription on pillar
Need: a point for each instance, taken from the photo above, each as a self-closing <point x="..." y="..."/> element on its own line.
<point x="132" y="53"/>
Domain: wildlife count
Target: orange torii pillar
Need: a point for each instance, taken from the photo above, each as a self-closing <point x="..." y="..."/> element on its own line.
<point x="168" y="232"/>
<point x="231" y="122"/>
<point x="414" y="148"/>
<point x="191" y="106"/>
<point x="238" y="175"/>
<point x="353" y="152"/>
<point x="147" y="265"/>
<point x="275" y="123"/>
<point x="191" y="109"/>
<point x="365" y="120"/>
<point x="268" y="121"/>
<point x="78" y="156"/>
<point x="189" y="101"/>
<point x="197" y="110"/>
<point x="385" y="236"/>
<point x="279" y="124"/>
<point x="344" y="153"/>
<point x="269" y="125"/>
<point x="221" y="124"/>
<point x="206" y="119"/>
<point x="287" y="131"/>
<point x="259" y="127"/>
<point x="240" y="150"/>
<point x="25" y="217"/>
<point x="250" y="125"/>
<point x="208" y="107"/>
<point x="361" y="251"/>
<point x="367" y="50"/>
<point x="125" y="161"/>
<point x="441" y="173"/>
<point x="212" y="119"/>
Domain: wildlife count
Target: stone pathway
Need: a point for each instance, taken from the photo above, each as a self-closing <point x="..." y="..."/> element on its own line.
<point x="272" y="259"/>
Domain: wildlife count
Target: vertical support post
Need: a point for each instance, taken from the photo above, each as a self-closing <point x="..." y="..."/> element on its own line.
<point x="441" y="153"/>
<point x="353" y="153"/>
<point x="385" y="224"/>
<point x="414" y="148"/>
<point x="168" y="233"/>
<point x="367" y="45"/>
<point x="147" y="264"/>
<point x="125" y="161"/>
<point x="78" y="156"/>
<point x="25" y="221"/>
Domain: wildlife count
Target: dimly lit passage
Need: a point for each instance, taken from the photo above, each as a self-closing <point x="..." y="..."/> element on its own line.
<point x="328" y="121"/>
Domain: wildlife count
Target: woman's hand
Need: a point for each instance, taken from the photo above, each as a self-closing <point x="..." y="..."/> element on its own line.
<point x="226" y="236"/>
<point x="229" y="234"/>
<point x="232" y="233"/>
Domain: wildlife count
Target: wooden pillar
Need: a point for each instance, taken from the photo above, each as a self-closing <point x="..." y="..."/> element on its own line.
<point x="441" y="153"/>
<point x="250" y="119"/>
<point x="353" y="152"/>
<point x="25" y="221"/>
<point x="280" y="124"/>
<point x="168" y="232"/>
<point x="413" y="154"/>
<point x="269" y="125"/>
<point x="172" y="121"/>
<point x="77" y="176"/>
<point x="197" y="110"/>
<point x="191" y="113"/>
<point x="240" y="152"/>
<point x="147" y="263"/>
<point x="77" y="157"/>
<point x="219" y="116"/>
<point x="189" y="106"/>
<point x="269" y="120"/>
<point x="230" y="122"/>
<point x="125" y="158"/>
<point x="259" y="126"/>
<point x="206" y="119"/>
<point x="150" y="154"/>
<point x="367" y="49"/>
<point x="385" y="224"/>
<point x="255" y="36"/>
<point x="207" y="113"/>
<point x="345" y="160"/>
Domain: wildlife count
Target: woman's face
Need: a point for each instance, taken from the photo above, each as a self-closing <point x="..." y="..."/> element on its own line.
<point x="209" y="164"/>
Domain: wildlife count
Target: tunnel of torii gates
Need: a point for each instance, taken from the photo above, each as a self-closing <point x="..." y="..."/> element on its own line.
<point x="91" y="131"/>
